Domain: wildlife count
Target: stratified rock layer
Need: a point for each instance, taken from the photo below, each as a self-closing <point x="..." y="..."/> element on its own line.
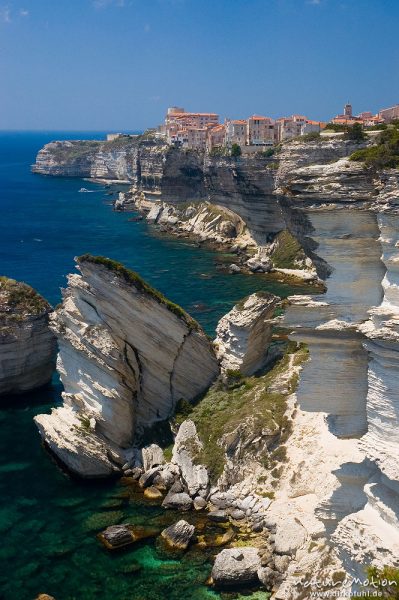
<point x="244" y="334"/>
<point x="127" y="355"/>
<point x="27" y="346"/>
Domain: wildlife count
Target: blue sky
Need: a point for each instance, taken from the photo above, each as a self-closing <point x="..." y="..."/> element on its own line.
<point x="117" y="64"/>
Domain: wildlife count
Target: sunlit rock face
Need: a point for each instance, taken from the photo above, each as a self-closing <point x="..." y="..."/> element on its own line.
<point x="127" y="356"/>
<point x="27" y="345"/>
<point x="335" y="379"/>
<point x="348" y="241"/>
<point x="372" y="533"/>
<point x="352" y="378"/>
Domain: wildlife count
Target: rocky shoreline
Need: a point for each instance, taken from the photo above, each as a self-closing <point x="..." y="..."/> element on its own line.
<point x="303" y="449"/>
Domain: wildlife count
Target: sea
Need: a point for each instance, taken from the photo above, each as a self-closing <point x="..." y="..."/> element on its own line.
<point x="49" y="522"/>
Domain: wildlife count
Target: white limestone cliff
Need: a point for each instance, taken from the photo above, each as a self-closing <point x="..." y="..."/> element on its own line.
<point x="27" y="346"/>
<point x="243" y="336"/>
<point x="127" y="356"/>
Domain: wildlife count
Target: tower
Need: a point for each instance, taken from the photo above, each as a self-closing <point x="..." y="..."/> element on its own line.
<point x="348" y="110"/>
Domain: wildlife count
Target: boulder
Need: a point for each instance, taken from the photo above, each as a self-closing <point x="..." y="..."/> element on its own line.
<point x="177" y="487"/>
<point x="147" y="478"/>
<point x="179" y="535"/>
<point x="233" y="268"/>
<point x="243" y="336"/>
<point x="186" y="453"/>
<point x="219" y="516"/>
<point x="181" y="501"/>
<point x="118" y="536"/>
<point x="167" y="476"/>
<point x="260" y="263"/>
<point x="237" y="514"/>
<point x="136" y="473"/>
<point x="290" y="535"/>
<point x="152" y="456"/>
<point x="153" y="493"/>
<point x="281" y="563"/>
<point x="199" y="503"/>
<point x="268" y="577"/>
<point x="236" y="566"/>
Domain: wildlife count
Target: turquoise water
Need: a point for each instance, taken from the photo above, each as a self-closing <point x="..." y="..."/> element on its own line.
<point x="49" y="522"/>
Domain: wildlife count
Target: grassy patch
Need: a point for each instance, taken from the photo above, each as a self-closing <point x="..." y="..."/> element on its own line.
<point x="18" y="300"/>
<point x="387" y="581"/>
<point x="223" y="410"/>
<point x="287" y="250"/>
<point x="383" y="155"/>
<point x="62" y="152"/>
<point x="132" y="278"/>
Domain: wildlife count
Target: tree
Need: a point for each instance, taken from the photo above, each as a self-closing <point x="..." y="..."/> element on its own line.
<point x="235" y="150"/>
<point x="355" y="133"/>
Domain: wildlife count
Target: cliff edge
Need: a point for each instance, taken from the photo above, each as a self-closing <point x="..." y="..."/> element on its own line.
<point x="27" y="346"/>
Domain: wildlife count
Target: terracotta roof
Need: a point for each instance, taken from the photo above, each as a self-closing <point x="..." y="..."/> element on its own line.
<point x="192" y="114"/>
<point x="259" y="118"/>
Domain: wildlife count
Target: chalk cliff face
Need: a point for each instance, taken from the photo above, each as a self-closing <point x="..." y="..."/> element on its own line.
<point x="243" y="336"/>
<point x="27" y="346"/>
<point x="127" y="355"/>
<point x="336" y="502"/>
<point x="347" y="405"/>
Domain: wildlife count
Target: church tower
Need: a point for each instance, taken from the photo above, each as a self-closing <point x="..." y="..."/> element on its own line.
<point x="348" y="110"/>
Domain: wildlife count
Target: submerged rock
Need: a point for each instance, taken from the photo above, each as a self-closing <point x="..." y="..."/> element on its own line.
<point x="244" y="334"/>
<point x="118" y="536"/>
<point x="127" y="355"/>
<point x="179" y="535"/>
<point x="153" y="493"/>
<point x="236" y="566"/>
<point x="27" y="346"/>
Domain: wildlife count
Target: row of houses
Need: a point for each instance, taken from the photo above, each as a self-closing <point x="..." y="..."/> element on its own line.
<point x="203" y="130"/>
<point x="366" y="118"/>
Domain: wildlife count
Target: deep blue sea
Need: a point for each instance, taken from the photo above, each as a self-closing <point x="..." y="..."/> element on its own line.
<point x="49" y="522"/>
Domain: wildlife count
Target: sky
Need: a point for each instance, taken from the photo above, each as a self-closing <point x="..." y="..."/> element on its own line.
<point x="116" y="65"/>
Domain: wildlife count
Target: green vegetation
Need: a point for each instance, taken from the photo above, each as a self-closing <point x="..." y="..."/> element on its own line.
<point x="219" y="151"/>
<point x="235" y="150"/>
<point x="386" y="581"/>
<point x="378" y="127"/>
<point x="132" y="278"/>
<point x="248" y="402"/>
<point x="121" y="142"/>
<point x="337" y="127"/>
<point x="313" y="136"/>
<point x="18" y="300"/>
<point x="77" y="149"/>
<point x="355" y="133"/>
<point x="383" y="155"/>
<point x="287" y="250"/>
<point x="266" y="153"/>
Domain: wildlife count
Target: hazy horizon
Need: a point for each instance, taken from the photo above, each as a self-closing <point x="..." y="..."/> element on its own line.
<point x="116" y="65"/>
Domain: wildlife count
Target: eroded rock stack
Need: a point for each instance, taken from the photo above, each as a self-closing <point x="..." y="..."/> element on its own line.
<point x="244" y="334"/>
<point x="27" y="346"/>
<point x="127" y="355"/>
